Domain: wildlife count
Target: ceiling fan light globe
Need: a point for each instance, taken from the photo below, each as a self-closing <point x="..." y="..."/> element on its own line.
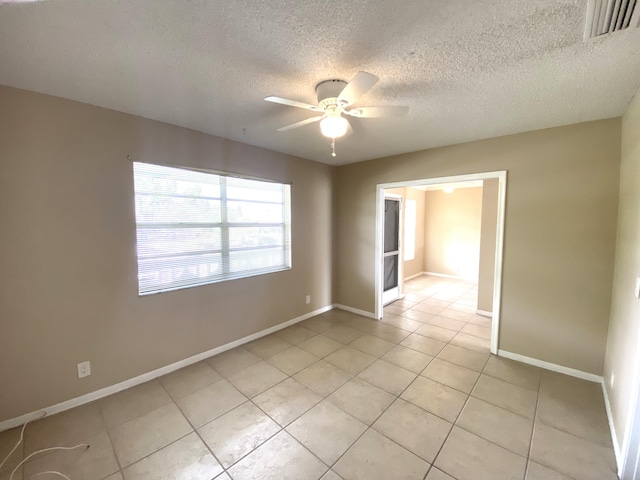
<point x="334" y="127"/>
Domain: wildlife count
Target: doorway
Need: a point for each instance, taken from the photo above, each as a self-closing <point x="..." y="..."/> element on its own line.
<point x="380" y="247"/>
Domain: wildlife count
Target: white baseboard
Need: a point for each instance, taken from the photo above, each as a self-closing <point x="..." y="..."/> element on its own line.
<point x="357" y="311"/>
<point x="145" y="377"/>
<point x="419" y="274"/>
<point x="484" y="313"/>
<point x="614" y="438"/>
<point x="578" y="374"/>
<point x="572" y="372"/>
<point x="453" y="277"/>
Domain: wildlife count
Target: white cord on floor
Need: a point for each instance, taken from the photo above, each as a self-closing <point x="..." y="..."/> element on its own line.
<point x="49" y="473"/>
<point x="51" y="449"/>
<point x="44" y="414"/>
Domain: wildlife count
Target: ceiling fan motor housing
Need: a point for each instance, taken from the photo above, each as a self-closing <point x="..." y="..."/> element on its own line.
<point x="328" y="92"/>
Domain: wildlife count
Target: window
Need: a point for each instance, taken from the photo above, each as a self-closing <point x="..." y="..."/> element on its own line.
<point x="410" y="230"/>
<point x="195" y="228"/>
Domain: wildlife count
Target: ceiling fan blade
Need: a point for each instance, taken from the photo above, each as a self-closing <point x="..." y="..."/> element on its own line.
<point x="357" y="87"/>
<point x="300" y="124"/>
<point x="377" y="112"/>
<point x="293" y="103"/>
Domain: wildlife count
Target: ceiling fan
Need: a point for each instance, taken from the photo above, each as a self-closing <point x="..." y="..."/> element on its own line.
<point x="335" y="97"/>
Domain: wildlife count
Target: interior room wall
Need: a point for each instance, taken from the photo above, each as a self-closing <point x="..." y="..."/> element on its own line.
<point x="486" y="268"/>
<point x="68" y="291"/>
<point x="560" y="227"/>
<point x="624" y="327"/>
<point x="452" y="232"/>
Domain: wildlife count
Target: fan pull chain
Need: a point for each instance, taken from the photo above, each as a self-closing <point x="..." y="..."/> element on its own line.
<point x="333" y="147"/>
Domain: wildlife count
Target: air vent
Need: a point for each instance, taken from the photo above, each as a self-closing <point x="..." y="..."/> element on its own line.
<point x="608" y="16"/>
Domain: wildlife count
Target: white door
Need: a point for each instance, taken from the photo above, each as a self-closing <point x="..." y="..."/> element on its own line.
<point x="391" y="259"/>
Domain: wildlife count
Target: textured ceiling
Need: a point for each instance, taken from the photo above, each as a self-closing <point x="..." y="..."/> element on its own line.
<point x="468" y="69"/>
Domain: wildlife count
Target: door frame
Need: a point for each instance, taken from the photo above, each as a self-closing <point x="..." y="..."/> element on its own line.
<point x="400" y="287"/>
<point x="501" y="175"/>
<point x="630" y="461"/>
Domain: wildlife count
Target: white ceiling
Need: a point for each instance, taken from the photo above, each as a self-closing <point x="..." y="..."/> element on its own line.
<point x="468" y="69"/>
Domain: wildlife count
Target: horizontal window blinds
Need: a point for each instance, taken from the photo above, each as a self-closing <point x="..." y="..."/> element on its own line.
<point x="195" y="228"/>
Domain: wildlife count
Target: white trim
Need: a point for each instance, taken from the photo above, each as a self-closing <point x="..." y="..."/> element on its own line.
<point x="378" y="252"/>
<point x="454" y="277"/>
<point x="572" y="372"/>
<point x="357" y="311"/>
<point x="614" y="438"/>
<point x="145" y="377"/>
<point x="484" y="313"/>
<point x="419" y="274"/>
<point x="632" y="411"/>
<point x="394" y="196"/>
<point x="497" y="281"/>
<point x="390" y="296"/>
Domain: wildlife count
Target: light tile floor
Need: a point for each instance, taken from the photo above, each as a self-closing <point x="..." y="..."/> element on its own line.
<point x="416" y="396"/>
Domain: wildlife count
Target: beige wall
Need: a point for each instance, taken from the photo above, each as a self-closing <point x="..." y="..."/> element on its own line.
<point x="560" y="226"/>
<point x="486" y="270"/>
<point x="624" y="328"/>
<point x="68" y="255"/>
<point x="452" y="232"/>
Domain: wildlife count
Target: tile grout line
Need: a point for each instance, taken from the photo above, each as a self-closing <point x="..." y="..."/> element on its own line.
<point x="154" y="452"/>
<point x="454" y="423"/>
<point x="533" y="428"/>
<point x="370" y="427"/>
<point x="534" y="420"/>
<point x="83" y="440"/>
<point x="104" y="421"/>
<point x="399" y="397"/>
<point x="195" y="430"/>
<point x="281" y="428"/>
<point x="469" y="396"/>
<point x="250" y="399"/>
<point x="326" y="397"/>
<point x="284" y="429"/>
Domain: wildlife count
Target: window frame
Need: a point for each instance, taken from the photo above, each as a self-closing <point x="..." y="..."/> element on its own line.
<point x="225" y="251"/>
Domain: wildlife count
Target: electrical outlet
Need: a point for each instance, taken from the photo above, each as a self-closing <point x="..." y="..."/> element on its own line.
<point x="308" y="299"/>
<point x="84" y="369"/>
